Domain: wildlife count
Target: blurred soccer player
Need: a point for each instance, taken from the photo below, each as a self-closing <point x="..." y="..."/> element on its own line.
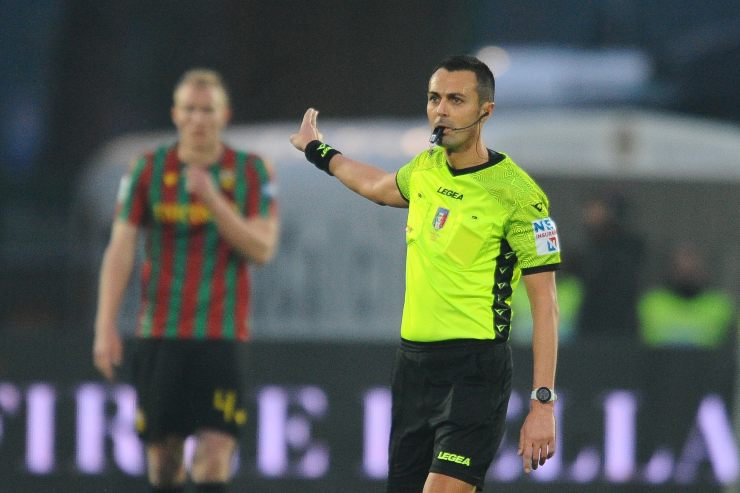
<point x="207" y="212"/>
<point x="476" y="224"/>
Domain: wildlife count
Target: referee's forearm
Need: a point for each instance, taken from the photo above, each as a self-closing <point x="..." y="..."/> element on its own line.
<point x="355" y="175"/>
<point x="369" y="181"/>
<point x="543" y="300"/>
<point x="544" y="345"/>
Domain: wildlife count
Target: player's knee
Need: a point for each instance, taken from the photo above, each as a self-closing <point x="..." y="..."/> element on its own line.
<point x="166" y="469"/>
<point x="165" y="464"/>
<point x="212" y="459"/>
<point x="214" y="468"/>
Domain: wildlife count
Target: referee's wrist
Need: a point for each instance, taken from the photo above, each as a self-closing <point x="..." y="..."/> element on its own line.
<point x="320" y="155"/>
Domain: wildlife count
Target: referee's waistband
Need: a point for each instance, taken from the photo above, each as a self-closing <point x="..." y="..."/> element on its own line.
<point x="449" y="344"/>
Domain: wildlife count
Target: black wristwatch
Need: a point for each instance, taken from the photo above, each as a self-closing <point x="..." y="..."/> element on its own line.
<point x="543" y="394"/>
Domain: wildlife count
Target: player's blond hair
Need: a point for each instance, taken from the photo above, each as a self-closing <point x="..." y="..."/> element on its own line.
<point x="203" y="77"/>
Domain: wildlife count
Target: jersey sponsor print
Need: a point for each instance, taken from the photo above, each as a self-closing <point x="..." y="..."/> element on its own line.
<point x="545" y="236"/>
<point x="194" y="285"/>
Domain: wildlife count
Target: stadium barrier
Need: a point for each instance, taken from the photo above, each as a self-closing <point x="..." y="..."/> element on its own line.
<point x="628" y="418"/>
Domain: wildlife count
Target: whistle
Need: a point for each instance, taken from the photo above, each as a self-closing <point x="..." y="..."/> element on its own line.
<point x="436" y="137"/>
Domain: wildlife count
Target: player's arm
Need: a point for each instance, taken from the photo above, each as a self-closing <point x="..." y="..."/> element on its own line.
<point x="537" y="436"/>
<point x="118" y="262"/>
<point x="369" y="181"/>
<point x="254" y="237"/>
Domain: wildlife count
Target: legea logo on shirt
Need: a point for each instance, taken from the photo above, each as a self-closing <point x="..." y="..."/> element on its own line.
<point x="545" y="236"/>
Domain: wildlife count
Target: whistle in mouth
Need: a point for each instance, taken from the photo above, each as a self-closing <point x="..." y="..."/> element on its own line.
<point x="436" y="137"/>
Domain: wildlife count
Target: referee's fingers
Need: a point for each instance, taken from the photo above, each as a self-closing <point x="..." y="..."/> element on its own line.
<point x="313" y="118"/>
<point x="520" y="450"/>
<point x="525" y="451"/>
<point x="528" y="460"/>
<point x="307" y="117"/>
<point x="543" y="454"/>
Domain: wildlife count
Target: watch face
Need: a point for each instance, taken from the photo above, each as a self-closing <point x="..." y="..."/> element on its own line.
<point x="544" y="394"/>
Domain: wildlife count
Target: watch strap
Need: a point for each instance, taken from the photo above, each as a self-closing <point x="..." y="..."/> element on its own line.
<point x="535" y="397"/>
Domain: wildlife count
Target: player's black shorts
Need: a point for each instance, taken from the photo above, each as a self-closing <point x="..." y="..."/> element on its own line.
<point x="184" y="386"/>
<point x="449" y="411"/>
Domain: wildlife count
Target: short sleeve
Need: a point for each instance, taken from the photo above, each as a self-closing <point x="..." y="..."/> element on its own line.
<point x="403" y="176"/>
<point x="131" y="201"/>
<point x="533" y="235"/>
<point x="262" y="190"/>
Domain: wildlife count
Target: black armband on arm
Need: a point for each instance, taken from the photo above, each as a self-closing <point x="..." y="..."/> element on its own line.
<point x="320" y="154"/>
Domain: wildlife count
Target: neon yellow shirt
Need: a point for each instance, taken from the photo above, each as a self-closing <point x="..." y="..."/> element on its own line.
<point x="470" y="236"/>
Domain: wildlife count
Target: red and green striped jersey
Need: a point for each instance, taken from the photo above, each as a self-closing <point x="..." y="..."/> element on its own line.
<point x="194" y="285"/>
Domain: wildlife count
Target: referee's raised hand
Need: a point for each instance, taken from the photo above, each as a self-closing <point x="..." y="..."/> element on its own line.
<point x="308" y="132"/>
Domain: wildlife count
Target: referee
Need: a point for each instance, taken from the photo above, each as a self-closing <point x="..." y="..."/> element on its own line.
<point x="477" y="223"/>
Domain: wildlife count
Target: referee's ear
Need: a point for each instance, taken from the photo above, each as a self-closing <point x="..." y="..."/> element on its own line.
<point x="488" y="110"/>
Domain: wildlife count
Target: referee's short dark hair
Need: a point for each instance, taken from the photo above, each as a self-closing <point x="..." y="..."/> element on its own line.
<point x="483" y="74"/>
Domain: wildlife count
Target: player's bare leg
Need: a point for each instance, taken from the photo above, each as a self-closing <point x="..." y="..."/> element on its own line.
<point x="439" y="483"/>
<point x="212" y="460"/>
<point x="165" y="461"/>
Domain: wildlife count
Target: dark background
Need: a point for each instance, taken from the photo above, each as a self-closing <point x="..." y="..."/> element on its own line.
<point x="92" y="70"/>
<point x="345" y="371"/>
<point x="115" y="61"/>
<point x="75" y="74"/>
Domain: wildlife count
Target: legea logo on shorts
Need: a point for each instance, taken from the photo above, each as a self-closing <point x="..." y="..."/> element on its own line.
<point x="458" y="459"/>
<point x="545" y="236"/>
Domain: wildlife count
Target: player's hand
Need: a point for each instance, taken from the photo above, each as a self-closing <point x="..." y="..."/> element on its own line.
<point x="198" y="181"/>
<point x="107" y="352"/>
<point x="308" y="132"/>
<point x="537" y="436"/>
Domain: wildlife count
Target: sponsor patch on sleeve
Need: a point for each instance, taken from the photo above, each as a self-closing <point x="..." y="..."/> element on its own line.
<point x="269" y="190"/>
<point x="124" y="187"/>
<point x="545" y="236"/>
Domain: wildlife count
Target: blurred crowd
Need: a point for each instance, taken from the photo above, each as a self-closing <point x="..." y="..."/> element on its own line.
<point x="602" y="295"/>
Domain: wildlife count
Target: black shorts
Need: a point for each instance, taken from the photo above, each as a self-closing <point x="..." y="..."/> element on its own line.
<point x="184" y="386"/>
<point x="449" y="411"/>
